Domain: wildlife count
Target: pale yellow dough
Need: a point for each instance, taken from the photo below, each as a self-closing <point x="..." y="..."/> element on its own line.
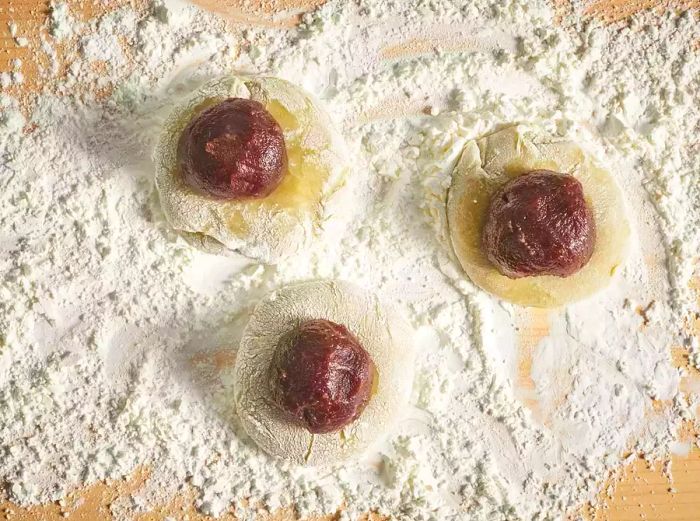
<point x="382" y="332"/>
<point x="281" y="224"/>
<point x="488" y="163"/>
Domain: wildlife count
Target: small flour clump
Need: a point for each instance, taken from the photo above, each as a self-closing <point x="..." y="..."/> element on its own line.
<point x="117" y="339"/>
<point x="62" y="24"/>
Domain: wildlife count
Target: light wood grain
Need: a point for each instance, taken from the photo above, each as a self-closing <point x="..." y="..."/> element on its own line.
<point x="640" y="493"/>
<point x="265" y="12"/>
<point x="613" y="10"/>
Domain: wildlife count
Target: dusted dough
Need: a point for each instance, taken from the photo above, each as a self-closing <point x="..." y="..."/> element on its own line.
<point x="281" y="224"/>
<point x="488" y="163"/>
<point x="382" y="332"/>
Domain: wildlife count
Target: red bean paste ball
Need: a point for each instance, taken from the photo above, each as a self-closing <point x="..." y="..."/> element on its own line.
<point x="539" y="224"/>
<point x="233" y="150"/>
<point x="321" y="376"/>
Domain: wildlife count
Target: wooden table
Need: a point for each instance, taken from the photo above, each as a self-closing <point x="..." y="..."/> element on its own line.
<point x="639" y="493"/>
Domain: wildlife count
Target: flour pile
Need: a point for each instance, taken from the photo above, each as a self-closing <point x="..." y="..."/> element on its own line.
<point x="117" y="338"/>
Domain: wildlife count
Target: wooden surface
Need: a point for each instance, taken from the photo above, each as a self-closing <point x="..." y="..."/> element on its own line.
<point x="640" y="493"/>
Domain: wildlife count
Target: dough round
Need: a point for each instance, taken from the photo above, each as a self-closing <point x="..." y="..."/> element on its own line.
<point x="487" y="164"/>
<point x="382" y="332"/>
<point x="276" y="226"/>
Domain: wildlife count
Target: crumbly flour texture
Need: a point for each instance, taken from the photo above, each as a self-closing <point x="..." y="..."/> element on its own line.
<point x="117" y="339"/>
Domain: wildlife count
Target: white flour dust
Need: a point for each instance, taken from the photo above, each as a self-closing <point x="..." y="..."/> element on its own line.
<point x="116" y="337"/>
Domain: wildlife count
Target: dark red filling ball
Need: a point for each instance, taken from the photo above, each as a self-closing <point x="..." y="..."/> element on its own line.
<point x="321" y="376"/>
<point x="539" y="224"/>
<point x="233" y="150"/>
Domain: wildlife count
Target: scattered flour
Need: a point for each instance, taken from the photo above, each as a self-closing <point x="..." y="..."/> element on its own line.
<point x="112" y="329"/>
<point x="62" y="24"/>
